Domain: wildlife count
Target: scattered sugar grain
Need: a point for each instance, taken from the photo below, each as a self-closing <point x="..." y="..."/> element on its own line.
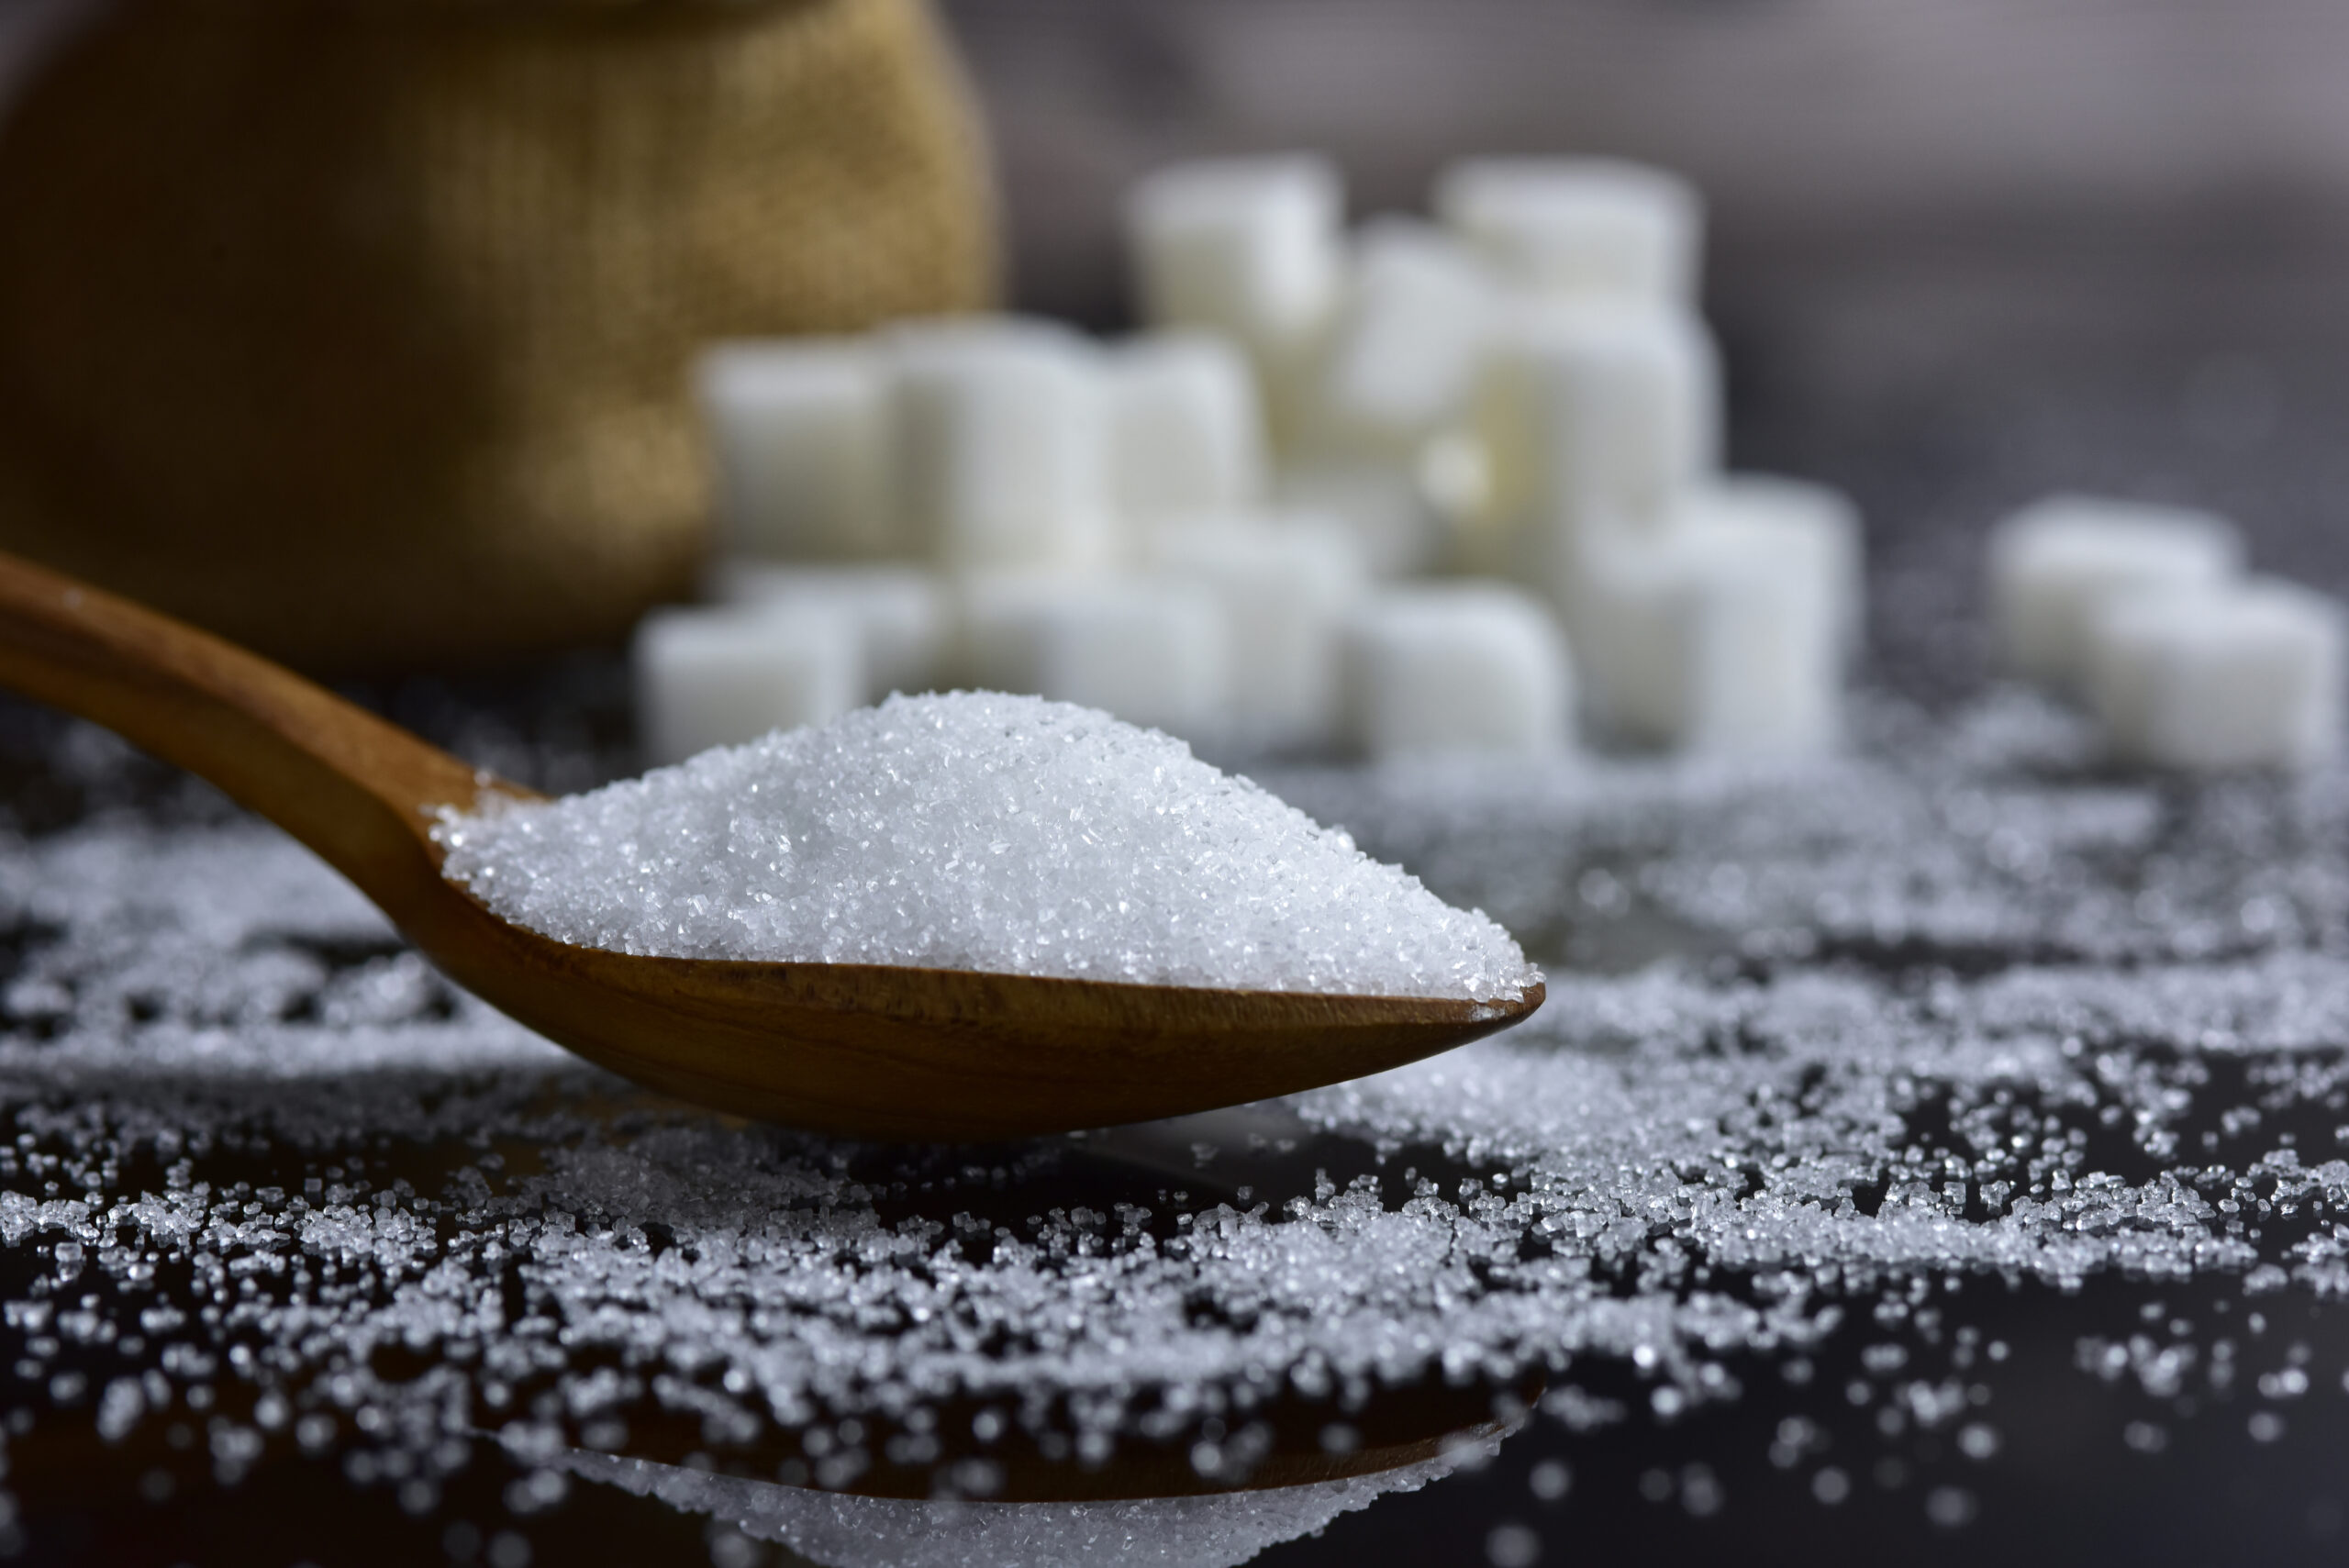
<point x="1682" y="1148"/>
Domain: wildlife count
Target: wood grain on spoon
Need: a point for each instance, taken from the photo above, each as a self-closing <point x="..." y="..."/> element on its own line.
<point x="862" y="1050"/>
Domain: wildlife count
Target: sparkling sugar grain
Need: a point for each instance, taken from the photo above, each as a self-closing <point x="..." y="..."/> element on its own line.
<point x="1682" y="1184"/>
<point x="978" y="831"/>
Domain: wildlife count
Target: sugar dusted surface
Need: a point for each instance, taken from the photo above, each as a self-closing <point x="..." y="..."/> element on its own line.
<point x="1864" y="1066"/>
<point x="975" y="831"/>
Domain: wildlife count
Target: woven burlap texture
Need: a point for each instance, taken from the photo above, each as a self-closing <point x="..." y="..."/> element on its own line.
<point x="361" y="331"/>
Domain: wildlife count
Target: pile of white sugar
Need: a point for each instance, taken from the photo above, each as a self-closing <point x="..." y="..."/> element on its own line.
<point x="976" y="830"/>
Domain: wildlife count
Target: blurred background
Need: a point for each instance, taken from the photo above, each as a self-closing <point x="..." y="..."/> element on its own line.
<point x="1957" y="255"/>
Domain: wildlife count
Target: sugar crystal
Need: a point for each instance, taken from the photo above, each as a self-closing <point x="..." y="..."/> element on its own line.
<point x="978" y="831"/>
<point x="2029" y="1049"/>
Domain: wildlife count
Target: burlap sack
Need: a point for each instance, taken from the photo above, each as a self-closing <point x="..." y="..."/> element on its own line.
<point x="360" y="329"/>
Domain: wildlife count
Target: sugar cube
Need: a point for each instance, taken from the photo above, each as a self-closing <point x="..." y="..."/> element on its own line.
<point x="2053" y="563"/>
<point x="1594" y="417"/>
<point x="1246" y="247"/>
<point x="802" y="432"/>
<point x="900" y="612"/>
<point x="1003" y="442"/>
<point x="1185" y="430"/>
<point x="2206" y="677"/>
<point x="720" y="676"/>
<point x="1456" y="666"/>
<point x="1384" y="502"/>
<point x="1404" y="348"/>
<point x="1710" y="638"/>
<point x="1151" y="653"/>
<point x="1579" y="227"/>
<point x="1285" y="584"/>
<point x="1812" y="521"/>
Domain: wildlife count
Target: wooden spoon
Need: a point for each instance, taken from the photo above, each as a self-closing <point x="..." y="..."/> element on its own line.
<point x="862" y="1050"/>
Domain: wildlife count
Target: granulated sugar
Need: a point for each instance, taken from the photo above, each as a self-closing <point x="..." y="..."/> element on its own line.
<point x="1995" y="836"/>
<point x="2065" y="1067"/>
<point x="978" y="831"/>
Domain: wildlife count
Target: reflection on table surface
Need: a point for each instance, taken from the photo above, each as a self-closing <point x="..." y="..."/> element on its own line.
<point x="1934" y="1148"/>
<point x="843" y="1530"/>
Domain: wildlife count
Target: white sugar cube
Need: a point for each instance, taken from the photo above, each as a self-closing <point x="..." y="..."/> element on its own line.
<point x="2242" y="674"/>
<point x="1708" y="638"/>
<point x="1246" y="247"/>
<point x="1185" y="429"/>
<point x="2054" y="562"/>
<point x="1579" y="227"/>
<point x="1456" y="666"/>
<point x="802" y="435"/>
<point x="1814" y="522"/>
<point x="718" y="677"/>
<point x="1594" y="418"/>
<point x="1384" y="504"/>
<point x="1003" y="442"/>
<point x="1285" y="584"/>
<point x="1407" y="343"/>
<point x="900" y="612"/>
<point x="1151" y="653"/>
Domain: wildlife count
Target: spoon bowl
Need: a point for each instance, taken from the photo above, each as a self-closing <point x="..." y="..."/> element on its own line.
<point x="866" y="1050"/>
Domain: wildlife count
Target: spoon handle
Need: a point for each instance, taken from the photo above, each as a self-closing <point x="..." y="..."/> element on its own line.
<point x="357" y="790"/>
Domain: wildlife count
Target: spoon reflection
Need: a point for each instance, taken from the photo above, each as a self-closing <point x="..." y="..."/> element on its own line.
<point x="839" y="1530"/>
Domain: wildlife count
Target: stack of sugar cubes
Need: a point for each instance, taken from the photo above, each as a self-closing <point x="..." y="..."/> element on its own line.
<point x="1419" y="487"/>
<point x="2145" y="612"/>
<point x="999" y="503"/>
